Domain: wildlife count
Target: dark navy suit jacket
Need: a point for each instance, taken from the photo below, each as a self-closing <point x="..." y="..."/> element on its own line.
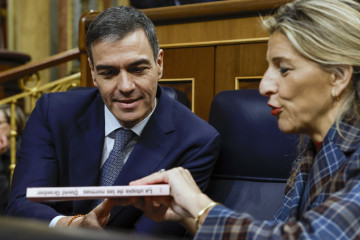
<point x="63" y="142"/>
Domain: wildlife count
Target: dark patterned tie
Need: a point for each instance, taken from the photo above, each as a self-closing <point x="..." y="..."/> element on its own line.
<point x="115" y="161"/>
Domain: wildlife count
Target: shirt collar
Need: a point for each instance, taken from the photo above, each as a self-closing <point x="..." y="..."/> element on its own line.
<point x="111" y="123"/>
<point x="349" y="139"/>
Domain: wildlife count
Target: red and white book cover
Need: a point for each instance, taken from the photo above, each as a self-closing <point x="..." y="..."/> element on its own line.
<point x="44" y="194"/>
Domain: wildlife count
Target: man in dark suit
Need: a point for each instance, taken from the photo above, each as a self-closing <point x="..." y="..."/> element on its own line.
<point x="69" y="136"/>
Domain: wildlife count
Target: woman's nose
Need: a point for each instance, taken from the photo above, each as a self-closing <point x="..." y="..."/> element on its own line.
<point x="267" y="84"/>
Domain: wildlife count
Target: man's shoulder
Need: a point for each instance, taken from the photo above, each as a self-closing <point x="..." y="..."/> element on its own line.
<point x="68" y="105"/>
<point x="78" y="92"/>
<point x="72" y="98"/>
<point x="189" y="121"/>
<point x="184" y="119"/>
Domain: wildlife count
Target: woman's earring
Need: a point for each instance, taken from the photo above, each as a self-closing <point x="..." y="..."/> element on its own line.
<point x="333" y="95"/>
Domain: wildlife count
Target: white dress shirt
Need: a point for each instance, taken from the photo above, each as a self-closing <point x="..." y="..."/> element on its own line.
<point x="111" y="124"/>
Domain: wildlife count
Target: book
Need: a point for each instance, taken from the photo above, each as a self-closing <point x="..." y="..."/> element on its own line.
<point x="45" y="194"/>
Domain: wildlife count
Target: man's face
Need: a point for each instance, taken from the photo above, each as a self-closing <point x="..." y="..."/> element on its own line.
<point x="127" y="75"/>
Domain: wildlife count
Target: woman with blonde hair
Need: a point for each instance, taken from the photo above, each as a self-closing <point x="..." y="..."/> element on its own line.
<point x="313" y="87"/>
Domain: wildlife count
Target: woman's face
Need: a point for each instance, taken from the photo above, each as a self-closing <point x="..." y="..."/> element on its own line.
<point x="4" y="133"/>
<point x="299" y="90"/>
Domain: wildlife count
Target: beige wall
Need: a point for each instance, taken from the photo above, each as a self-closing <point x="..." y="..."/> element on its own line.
<point x="28" y="28"/>
<point x="32" y="27"/>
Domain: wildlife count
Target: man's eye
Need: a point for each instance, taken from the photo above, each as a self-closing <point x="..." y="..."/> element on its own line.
<point x="137" y="70"/>
<point x="107" y="74"/>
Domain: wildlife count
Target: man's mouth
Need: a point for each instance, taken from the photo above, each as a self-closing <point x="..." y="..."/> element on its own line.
<point x="128" y="103"/>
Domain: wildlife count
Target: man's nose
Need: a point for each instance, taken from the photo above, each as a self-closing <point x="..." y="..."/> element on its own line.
<point x="125" y="82"/>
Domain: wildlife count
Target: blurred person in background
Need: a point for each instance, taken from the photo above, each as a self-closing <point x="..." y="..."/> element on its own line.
<point x="5" y="112"/>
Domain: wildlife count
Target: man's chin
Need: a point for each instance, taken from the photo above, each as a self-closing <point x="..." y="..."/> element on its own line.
<point x="128" y="121"/>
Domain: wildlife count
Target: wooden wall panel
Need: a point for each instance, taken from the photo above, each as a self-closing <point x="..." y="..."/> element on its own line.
<point x="250" y="82"/>
<point x="215" y="30"/>
<point x="242" y="60"/>
<point x="197" y="63"/>
<point x="213" y="43"/>
<point x="185" y="85"/>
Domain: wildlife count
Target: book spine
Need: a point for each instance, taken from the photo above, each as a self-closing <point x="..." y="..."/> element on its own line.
<point x="96" y="192"/>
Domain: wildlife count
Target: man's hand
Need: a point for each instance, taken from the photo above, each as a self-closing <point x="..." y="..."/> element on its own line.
<point x="158" y="208"/>
<point x="97" y="218"/>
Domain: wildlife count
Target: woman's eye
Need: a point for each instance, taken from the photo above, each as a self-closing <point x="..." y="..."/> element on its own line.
<point x="283" y="70"/>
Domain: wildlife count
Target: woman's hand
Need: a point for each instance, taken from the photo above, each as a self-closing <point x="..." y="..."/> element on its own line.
<point x="186" y="197"/>
<point x="155" y="207"/>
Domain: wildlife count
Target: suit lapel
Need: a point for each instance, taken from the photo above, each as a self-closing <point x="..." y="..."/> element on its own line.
<point x="149" y="152"/>
<point x="154" y="143"/>
<point x="152" y="147"/>
<point x="86" y="148"/>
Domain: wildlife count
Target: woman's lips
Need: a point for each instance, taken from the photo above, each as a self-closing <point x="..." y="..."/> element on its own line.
<point x="275" y="110"/>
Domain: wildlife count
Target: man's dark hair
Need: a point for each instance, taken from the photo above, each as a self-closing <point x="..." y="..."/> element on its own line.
<point x="115" y="23"/>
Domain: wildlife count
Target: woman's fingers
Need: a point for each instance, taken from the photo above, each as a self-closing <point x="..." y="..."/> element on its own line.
<point x="155" y="178"/>
<point x="184" y="192"/>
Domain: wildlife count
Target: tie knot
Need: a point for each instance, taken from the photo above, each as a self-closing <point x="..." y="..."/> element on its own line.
<point x="122" y="138"/>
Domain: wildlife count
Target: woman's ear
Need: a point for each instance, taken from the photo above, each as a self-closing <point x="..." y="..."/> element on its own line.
<point x="341" y="79"/>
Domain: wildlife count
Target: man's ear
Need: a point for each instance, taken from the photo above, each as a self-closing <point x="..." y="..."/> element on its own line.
<point x="92" y="72"/>
<point x="160" y="62"/>
<point x="341" y="79"/>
